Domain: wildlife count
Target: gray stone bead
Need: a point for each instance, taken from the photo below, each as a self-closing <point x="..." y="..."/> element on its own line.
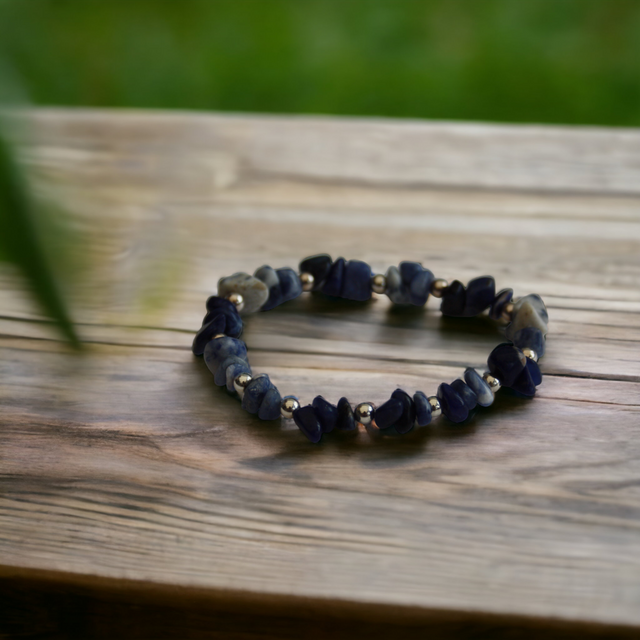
<point x="253" y="291"/>
<point x="536" y="302"/>
<point x="397" y="291"/>
<point x="479" y="387"/>
<point x="526" y="316"/>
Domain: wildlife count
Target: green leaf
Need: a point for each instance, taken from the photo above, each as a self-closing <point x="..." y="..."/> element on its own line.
<point x="21" y="245"/>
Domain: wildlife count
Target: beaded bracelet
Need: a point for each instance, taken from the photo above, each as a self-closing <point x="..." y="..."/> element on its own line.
<point x="511" y="364"/>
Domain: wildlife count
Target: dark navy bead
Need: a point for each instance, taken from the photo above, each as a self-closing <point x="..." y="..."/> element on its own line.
<point x="409" y="270"/>
<point x="216" y="306"/>
<point x="524" y="384"/>
<point x="534" y="371"/>
<point x="482" y="390"/>
<point x="307" y="422"/>
<point x="420" y="287"/>
<point x="219" y="349"/>
<point x="480" y="294"/>
<point x="346" y="420"/>
<point x="468" y="396"/>
<point x="290" y="284"/>
<point x="506" y="362"/>
<point x="234" y="370"/>
<point x="318" y="266"/>
<point x="389" y="413"/>
<point x="454" y="299"/>
<point x="497" y="307"/>
<point x="255" y="393"/>
<point x="327" y="414"/>
<point x="270" y="278"/>
<point x="405" y="422"/>
<point x="423" y="409"/>
<point x="216" y="302"/>
<point x="207" y="331"/>
<point x="532" y="338"/>
<point x="452" y="404"/>
<point x="270" y="405"/>
<point x="220" y="376"/>
<point x="333" y="282"/>
<point x="356" y="283"/>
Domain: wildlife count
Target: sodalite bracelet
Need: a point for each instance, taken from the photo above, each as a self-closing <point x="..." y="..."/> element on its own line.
<point x="512" y="364"/>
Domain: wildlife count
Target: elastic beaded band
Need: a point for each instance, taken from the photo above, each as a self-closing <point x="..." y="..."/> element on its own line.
<point x="511" y="364"/>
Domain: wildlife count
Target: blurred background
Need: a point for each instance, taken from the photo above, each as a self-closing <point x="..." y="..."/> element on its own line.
<point x="570" y="62"/>
<point x="550" y="61"/>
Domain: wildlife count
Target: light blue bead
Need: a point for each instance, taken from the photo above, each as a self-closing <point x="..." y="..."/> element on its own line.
<point x="479" y="387"/>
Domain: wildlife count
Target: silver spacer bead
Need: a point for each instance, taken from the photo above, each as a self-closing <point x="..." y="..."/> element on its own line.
<point x="492" y="381"/>
<point x="240" y="383"/>
<point x="378" y="283"/>
<point x="307" y="281"/>
<point x="288" y="406"/>
<point x="364" y="413"/>
<point x="438" y="287"/>
<point x="530" y="353"/>
<point x="237" y="300"/>
<point x="219" y="335"/>
<point x="436" y="409"/>
<point x="507" y="312"/>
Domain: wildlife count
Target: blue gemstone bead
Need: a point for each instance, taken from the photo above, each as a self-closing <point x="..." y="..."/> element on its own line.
<point x="290" y="284"/>
<point x="234" y="370"/>
<point x="270" y="405"/>
<point x="524" y="384"/>
<point x="346" y="420"/>
<point x="270" y="278"/>
<point x="307" y="421"/>
<point x="465" y="392"/>
<point x="389" y="413"/>
<point x="497" y="307"/>
<point x="506" y="362"/>
<point x="423" y="409"/>
<point x="409" y="270"/>
<point x="480" y="294"/>
<point x="333" y="282"/>
<point x="220" y="376"/>
<point x="532" y="338"/>
<point x="217" y="306"/>
<point x="356" y="283"/>
<point x="255" y="392"/>
<point x="318" y="266"/>
<point x="219" y="349"/>
<point x="207" y="331"/>
<point x="420" y="287"/>
<point x="534" y="371"/>
<point x="327" y="414"/>
<point x="407" y="418"/>
<point x="397" y="291"/>
<point x="452" y="405"/>
<point x="454" y="299"/>
<point x="482" y="390"/>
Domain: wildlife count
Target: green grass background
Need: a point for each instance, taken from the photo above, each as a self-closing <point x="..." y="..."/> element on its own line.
<point x="551" y="61"/>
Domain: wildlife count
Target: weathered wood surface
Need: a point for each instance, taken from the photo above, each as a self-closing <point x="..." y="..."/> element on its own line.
<point x="126" y="466"/>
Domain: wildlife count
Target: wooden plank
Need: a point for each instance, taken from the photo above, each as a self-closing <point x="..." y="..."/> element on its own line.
<point x="127" y="464"/>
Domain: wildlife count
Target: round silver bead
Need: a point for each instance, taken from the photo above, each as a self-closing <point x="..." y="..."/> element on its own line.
<point x="307" y="281"/>
<point x="507" y="312"/>
<point x="530" y="353"/>
<point x="364" y="413"/>
<point x="240" y="382"/>
<point x="436" y="409"/>
<point x="237" y="300"/>
<point x="492" y="381"/>
<point x="378" y="283"/>
<point x="288" y="406"/>
<point x="438" y="287"/>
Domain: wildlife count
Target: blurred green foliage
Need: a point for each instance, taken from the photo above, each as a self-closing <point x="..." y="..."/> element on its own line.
<point x="559" y="61"/>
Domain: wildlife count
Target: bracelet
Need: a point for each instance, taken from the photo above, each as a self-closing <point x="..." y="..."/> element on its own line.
<point x="512" y="364"/>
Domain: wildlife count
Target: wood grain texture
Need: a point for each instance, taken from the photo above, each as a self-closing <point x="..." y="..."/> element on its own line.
<point x="126" y="465"/>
